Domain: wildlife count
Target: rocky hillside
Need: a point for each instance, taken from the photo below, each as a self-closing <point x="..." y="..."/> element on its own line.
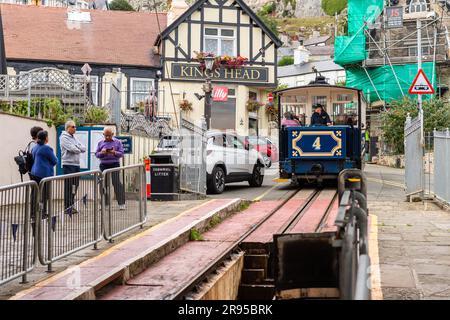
<point x="285" y="8"/>
<point x="292" y="8"/>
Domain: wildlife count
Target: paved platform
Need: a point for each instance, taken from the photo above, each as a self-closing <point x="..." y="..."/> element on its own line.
<point x="129" y="257"/>
<point x="410" y="242"/>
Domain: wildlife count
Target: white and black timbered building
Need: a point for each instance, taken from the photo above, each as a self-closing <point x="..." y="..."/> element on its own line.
<point x="231" y="30"/>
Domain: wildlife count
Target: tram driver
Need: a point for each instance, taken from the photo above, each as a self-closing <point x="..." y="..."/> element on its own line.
<point x="320" y="117"/>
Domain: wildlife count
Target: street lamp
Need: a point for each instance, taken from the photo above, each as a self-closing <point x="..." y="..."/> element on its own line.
<point x="207" y="88"/>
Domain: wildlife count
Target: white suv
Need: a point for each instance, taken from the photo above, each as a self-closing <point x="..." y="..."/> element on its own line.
<point x="230" y="160"/>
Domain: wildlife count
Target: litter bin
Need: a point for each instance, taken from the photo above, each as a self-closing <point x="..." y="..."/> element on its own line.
<point x="164" y="177"/>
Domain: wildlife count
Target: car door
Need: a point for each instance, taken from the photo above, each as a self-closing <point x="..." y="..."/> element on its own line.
<point x="215" y="151"/>
<point x="240" y="163"/>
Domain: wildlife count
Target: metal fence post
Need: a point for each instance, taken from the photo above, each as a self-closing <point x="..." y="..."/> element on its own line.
<point x="97" y="183"/>
<point x="108" y="179"/>
<point x="26" y="235"/>
<point x="49" y="222"/>
<point x="141" y="191"/>
<point x="29" y="95"/>
<point x="447" y="171"/>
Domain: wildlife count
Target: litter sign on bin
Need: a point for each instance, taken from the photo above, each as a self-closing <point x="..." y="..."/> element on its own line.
<point x="127" y="143"/>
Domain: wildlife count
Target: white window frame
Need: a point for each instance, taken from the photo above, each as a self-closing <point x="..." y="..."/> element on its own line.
<point x="219" y="37"/>
<point x="418" y="4"/>
<point x="132" y="91"/>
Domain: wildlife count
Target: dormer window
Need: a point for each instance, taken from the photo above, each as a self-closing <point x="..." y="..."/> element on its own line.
<point x="417" y="6"/>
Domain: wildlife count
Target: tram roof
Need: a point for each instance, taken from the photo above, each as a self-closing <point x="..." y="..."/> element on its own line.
<point x="320" y="86"/>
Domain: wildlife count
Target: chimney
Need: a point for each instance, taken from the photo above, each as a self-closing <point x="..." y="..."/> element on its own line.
<point x="177" y="8"/>
<point x="301" y="54"/>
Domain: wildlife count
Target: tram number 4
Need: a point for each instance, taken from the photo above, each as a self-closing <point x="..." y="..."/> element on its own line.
<point x="316" y="145"/>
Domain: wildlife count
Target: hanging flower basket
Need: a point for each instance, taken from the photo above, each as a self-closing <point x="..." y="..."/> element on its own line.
<point x="253" y="105"/>
<point x="224" y="61"/>
<point x="200" y="57"/>
<point x="271" y="109"/>
<point x="185" y="105"/>
<point x="232" y="62"/>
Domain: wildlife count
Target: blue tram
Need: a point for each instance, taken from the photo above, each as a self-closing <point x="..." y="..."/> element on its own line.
<point x="315" y="151"/>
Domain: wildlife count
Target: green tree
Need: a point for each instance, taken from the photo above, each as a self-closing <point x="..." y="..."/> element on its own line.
<point x="121" y="5"/>
<point x="436" y="116"/>
<point x="331" y="7"/>
<point x="286" y="61"/>
<point x="268" y="8"/>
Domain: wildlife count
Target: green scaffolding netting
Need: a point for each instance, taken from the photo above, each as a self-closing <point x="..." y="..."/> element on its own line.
<point x="385" y="82"/>
<point x="352" y="48"/>
<point x="360" y="11"/>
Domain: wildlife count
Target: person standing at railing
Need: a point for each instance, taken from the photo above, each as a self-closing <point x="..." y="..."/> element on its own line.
<point x="44" y="163"/>
<point x="71" y="148"/>
<point x="29" y="151"/>
<point x="109" y="152"/>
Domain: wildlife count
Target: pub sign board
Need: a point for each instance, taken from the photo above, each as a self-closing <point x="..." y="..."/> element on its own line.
<point x="245" y="74"/>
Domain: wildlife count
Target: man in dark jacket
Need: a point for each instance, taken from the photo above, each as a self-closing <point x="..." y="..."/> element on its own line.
<point x="320" y="117"/>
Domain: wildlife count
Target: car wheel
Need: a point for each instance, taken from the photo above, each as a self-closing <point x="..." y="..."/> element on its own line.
<point x="216" y="182"/>
<point x="257" y="176"/>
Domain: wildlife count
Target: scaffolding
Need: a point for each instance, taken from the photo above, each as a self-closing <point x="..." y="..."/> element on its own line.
<point x="382" y="61"/>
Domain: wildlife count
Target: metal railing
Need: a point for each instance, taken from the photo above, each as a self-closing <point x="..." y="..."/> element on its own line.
<point x="352" y="219"/>
<point x="414" y="168"/>
<point x="44" y="93"/>
<point x="69" y="216"/>
<point x="124" y="200"/>
<point x="64" y="215"/>
<point x="18" y="208"/>
<point x="193" y="157"/>
<point x="441" y="167"/>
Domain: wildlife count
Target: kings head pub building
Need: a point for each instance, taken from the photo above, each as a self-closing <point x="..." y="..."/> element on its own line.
<point x="244" y="73"/>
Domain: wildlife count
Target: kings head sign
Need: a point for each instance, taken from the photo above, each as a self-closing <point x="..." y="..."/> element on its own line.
<point x="244" y="74"/>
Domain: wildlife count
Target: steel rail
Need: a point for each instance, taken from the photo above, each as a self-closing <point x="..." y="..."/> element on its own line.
<point x="181" y="294"/>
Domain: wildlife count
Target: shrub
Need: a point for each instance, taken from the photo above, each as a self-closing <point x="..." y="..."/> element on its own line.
<point x="121" y="5"/>
<point x="96" y="115"/>
<point x="271" y="23"/>
<point x="436" y="116"/>
<point x="286" y="61"/>
<point x="331" y="7"/>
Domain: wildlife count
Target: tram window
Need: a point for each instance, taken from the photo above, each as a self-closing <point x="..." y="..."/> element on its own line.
<point x="344" y="97"/>
<point x="319" y="100"/>
<point x="343" y="111"/>
<point x="294" y="99"/>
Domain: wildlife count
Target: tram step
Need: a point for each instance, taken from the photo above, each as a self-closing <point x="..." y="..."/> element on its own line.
<point x="256" y="292"/>
<point x="256" y="261"/>
<point x="253" y="275"/>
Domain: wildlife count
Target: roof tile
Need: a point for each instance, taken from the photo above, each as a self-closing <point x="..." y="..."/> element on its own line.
<point x="112" y="37"/>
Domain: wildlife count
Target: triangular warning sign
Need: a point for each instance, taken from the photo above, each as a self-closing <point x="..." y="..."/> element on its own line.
<point x="421" y="85"/>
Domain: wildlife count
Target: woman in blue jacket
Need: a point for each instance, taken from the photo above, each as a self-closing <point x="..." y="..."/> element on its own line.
<point x="44" y="163"/>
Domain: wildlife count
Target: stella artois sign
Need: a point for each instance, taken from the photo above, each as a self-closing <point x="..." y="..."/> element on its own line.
<point x="220" y="94"/>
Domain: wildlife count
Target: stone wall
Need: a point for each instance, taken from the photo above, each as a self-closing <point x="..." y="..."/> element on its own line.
<point x="398" y="161"/>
